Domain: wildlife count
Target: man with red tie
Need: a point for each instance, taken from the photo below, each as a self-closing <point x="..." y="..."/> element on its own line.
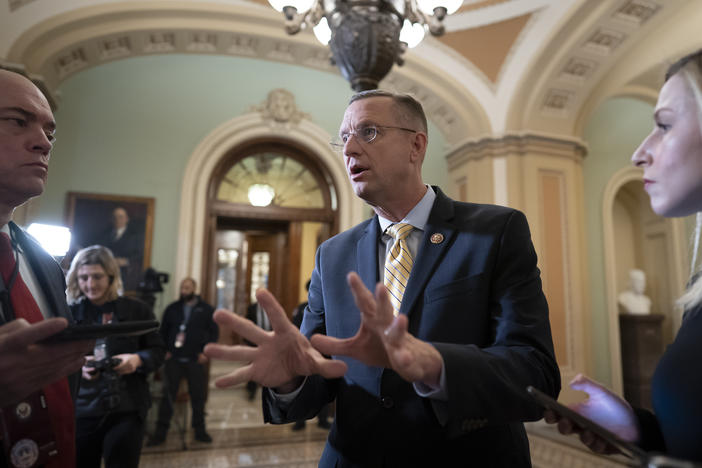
<point x="37" y="380"/>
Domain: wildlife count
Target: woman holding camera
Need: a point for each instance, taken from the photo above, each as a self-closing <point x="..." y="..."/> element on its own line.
<point x="114" y="395"/>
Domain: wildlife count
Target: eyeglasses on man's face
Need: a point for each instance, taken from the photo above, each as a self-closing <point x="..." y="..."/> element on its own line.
<point x="367" y="133"/>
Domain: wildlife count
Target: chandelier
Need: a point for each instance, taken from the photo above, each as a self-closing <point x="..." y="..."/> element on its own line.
<point x="366" y="37"/>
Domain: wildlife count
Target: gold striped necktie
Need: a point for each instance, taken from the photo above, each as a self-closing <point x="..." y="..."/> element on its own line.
<point x="398" y="264"/>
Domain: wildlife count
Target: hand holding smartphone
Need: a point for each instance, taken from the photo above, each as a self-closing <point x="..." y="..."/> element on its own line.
<point x="627" y="448"/>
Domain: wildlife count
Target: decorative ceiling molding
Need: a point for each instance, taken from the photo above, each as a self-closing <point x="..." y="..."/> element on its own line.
<point x="68" y="44"/>
<point x="570" y="84"/>
<point x="470" y="43"/>
<point x="516" y="144"/>
<point x="470" y="5"/>
<point x="279" y="109"/>
<point x="588" y="46"/>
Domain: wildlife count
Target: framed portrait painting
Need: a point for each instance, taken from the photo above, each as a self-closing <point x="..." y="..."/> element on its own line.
<point x="124" y="224"/>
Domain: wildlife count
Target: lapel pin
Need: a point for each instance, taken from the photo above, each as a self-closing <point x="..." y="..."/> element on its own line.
<point x="437" y="238"/>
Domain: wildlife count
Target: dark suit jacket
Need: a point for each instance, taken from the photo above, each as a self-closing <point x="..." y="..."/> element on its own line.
<point x="51" y="280"/>
<point x="129" y="246"/>
<point x="200" y="329"/>
<point x="476" y="296"/>
<point x="53" y="285"/>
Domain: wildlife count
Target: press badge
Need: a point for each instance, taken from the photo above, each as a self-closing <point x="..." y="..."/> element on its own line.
<point x="180" y="337"/>
<point x="27" y="437"/>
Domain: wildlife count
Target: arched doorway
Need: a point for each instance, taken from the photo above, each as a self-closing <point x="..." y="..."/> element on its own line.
<point x="270" y="204"/>
<point x="635" y="237"/>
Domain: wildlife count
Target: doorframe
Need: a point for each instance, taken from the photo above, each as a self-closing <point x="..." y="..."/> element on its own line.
<point x="677" y="236"/>
<point x="194" y="217"/>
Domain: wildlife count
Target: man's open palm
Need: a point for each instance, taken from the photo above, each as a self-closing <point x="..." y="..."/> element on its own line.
<point x="383" y="340"/>
<point x="278" y="358"/>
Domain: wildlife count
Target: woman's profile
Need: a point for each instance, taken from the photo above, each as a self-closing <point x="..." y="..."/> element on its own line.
<point x="671" y="159"/>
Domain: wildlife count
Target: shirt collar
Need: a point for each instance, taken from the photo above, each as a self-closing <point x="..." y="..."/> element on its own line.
<point x="418" y="216"/>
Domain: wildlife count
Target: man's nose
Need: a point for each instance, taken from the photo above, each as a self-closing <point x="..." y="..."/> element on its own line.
<point x="41" y="142"/>
<point x="352" y="144"/>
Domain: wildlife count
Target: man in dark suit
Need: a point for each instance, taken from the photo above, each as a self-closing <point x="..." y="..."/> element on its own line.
<point x="32" y="286"/>
<point x="186" y="328"/>
<point x="431" y="369"/>
<point x="126" y="245"/>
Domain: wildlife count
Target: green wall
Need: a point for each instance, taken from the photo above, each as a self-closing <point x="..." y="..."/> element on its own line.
<point x="128" y="128"/>
<point x="613" y="132"/>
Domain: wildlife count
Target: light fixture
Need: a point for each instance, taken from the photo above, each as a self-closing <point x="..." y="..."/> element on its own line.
<point x="54" y="239"/>
<point x="367" y="37"/>
<point x="261" y="194"/>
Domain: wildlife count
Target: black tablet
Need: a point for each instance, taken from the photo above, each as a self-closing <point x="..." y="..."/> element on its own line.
<point x="91" y="332"/>
<point x="627" y="448"/>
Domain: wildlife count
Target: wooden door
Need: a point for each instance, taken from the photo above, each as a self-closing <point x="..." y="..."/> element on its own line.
<point x="267" y="262"/>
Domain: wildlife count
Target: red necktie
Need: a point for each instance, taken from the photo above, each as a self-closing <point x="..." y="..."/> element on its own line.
<point x="58" y="394"/>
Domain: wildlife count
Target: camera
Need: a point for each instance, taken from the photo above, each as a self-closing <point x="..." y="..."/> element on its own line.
<point x="153" y="281"/>
<point x="109" y="395"/>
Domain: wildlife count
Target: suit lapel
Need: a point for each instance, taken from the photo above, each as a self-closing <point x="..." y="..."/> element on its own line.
<point x="367" y="254"/>
<point x="55" y="298"/>
<point x="429" y="254"/>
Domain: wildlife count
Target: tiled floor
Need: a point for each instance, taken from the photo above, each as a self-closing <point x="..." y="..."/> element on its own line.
<point x="240" y="439"/>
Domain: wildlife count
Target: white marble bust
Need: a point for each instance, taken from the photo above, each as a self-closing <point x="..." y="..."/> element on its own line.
<point x="633" y="301"/>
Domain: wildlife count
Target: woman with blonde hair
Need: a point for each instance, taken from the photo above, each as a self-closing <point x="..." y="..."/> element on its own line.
<point x="671" y="158"/>
<point x="114" y="395"/>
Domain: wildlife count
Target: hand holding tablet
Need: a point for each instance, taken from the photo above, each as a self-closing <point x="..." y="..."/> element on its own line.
<point x="92" y="332"/>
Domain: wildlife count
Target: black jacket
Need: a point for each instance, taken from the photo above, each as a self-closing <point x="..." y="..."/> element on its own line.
<point x="51" y="280"/>
<point x="133" y="388"/>
<point x="52" y="283"/>
<point x="200" y="328"/>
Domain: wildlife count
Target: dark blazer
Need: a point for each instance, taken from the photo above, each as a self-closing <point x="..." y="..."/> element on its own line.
<point x="134" y="388"/>
<point x="51" y="280"/>
<point x="200" y="329"/>
<point x="476" y="296"/>
<point x="674" y="425"/>
<point x="129" y="246"/>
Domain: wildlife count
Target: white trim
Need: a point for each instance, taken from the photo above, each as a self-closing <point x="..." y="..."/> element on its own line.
<point x="499" y="181"/>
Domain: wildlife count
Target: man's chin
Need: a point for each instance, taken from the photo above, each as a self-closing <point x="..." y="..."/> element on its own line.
<point x="22" y="194"/>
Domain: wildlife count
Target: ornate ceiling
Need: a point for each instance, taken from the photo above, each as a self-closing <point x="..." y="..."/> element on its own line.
<point x="503" y="65"/>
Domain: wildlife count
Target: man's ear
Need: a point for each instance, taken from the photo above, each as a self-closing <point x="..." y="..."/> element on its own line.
<point x="419" y="147"/>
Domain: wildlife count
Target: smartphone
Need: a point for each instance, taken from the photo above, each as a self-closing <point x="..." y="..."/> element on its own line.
<point x="627" y="448"/>
<point x="92" y="332"/>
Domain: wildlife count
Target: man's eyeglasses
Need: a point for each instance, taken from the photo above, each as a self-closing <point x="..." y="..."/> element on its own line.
<point x="367" y="133"/>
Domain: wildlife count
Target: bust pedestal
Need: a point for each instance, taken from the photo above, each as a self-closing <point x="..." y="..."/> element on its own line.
<point x="642" y="347"/>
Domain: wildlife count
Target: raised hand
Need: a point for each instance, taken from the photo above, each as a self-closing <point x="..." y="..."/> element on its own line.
<point x="603" y="407"/>
<point x="280" y="357"/>
<point x="383" y="340"/>
<point x="28" y="365"/>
